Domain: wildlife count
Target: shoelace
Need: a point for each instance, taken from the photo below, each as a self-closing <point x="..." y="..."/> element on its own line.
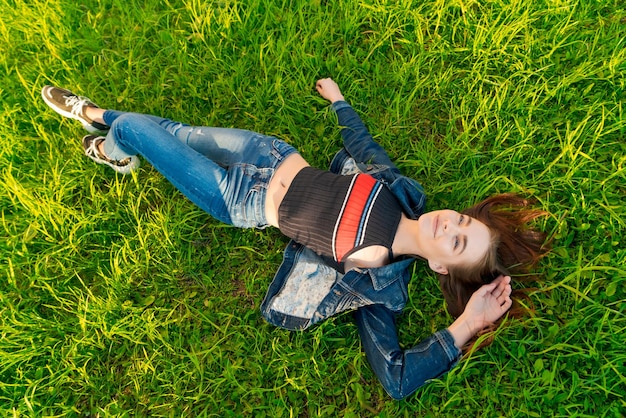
<point x="76" y="103"/>
<point x="92" y="149"/>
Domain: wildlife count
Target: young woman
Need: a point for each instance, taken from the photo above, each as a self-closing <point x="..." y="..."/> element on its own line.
<point x="355" y="229"/>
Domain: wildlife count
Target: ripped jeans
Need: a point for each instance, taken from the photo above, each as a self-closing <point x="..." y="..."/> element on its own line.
<point x="224" y="171"/>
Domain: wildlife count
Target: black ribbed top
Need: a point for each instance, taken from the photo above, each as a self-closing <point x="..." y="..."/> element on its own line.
<point x="336" y="215"/>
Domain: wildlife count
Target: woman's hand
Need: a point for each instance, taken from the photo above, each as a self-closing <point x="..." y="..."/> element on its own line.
<point x="490" y="302"/>
<point x="329" y="90"/>
<point x="486" y="306"/>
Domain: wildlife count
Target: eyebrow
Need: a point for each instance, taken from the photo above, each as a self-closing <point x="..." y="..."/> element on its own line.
<point x="469" y="220"/>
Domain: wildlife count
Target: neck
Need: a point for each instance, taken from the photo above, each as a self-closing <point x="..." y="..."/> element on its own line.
<point x="405" y="243"/>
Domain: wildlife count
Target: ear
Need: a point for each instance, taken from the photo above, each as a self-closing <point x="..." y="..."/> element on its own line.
<point x="437" y="268"/>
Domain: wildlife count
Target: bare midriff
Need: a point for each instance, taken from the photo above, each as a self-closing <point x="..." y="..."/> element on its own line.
<point x="279" y="184"/>
<point x="368" y="257"/>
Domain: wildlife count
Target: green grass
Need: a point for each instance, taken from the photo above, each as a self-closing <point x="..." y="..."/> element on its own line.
<point x="118" y="297"/>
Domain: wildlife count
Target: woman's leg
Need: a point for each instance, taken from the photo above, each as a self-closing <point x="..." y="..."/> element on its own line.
<point x="234" y="195"/>
<point x="225" y="146"/>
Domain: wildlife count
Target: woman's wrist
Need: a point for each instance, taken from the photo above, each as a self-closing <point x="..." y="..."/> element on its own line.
<point x="463" y="329"/>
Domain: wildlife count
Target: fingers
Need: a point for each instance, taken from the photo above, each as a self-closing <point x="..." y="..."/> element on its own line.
<point x="499" y="292"/>
<point x="502" y="293"/>
<point x="502" y="278"/>
<point x="500" y="286"/>
<point x="487" y="288"/>
<point x="319" y="85"/>
<point x="505" y="305"/>
<point x="329" y="90"/>
<point x="504" y="284"/>
<point x="504" y="298"/>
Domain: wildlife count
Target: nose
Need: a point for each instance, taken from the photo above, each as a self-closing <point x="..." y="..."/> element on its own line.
<point x="449" y="227"/>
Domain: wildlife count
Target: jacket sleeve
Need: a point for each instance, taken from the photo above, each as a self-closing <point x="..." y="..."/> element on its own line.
<point x="356" y="138"/>
<point x="402" y="372"/>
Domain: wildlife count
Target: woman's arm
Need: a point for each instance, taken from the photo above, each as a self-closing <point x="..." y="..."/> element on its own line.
<point x="486" y="306"/>
<point x="356" y="138"/>
<point x="402" y="372"/>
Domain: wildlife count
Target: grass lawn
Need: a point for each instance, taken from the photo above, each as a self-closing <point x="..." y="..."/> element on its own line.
<point x="118" y="297"/>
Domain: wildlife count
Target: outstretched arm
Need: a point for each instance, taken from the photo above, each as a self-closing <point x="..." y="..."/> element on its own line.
<point x="356" y="138"/>
<point x="402" y="372"/>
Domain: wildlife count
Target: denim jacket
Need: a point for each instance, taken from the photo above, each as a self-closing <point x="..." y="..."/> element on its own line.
<point x="307" y="290"/>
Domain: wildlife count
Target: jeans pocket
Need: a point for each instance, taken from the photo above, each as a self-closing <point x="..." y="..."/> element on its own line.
<point x="281" y="150"/>
<point x="253" y="203"/>
<point x="249" y="215"/>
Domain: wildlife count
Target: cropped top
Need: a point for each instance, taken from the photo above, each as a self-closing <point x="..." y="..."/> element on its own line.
<point x="336" y="215"/>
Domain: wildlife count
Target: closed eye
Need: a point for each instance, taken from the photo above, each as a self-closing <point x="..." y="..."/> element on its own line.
<point x="464" y="239"/>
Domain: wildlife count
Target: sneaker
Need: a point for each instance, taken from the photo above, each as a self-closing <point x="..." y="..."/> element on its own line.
<point x="67" y="104"/>
<point x="125" y="166"/>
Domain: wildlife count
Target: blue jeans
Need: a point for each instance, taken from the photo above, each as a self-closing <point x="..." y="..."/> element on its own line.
<point x="224" y="171"/>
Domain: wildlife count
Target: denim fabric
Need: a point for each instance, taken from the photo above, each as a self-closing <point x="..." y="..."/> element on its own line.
<point x="224" y="171"/>
<point x="402" y="372"/>
<point x="306" y="290"/>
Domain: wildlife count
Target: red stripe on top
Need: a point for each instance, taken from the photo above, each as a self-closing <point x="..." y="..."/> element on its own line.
<point x="345" y="235"/>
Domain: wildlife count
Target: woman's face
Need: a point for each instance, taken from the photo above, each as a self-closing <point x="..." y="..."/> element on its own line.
<point x="448" y="238"/>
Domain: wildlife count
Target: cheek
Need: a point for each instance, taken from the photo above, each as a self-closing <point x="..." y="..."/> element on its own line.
<point x="472" y="258"/>
<point x="443" y="247"/>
